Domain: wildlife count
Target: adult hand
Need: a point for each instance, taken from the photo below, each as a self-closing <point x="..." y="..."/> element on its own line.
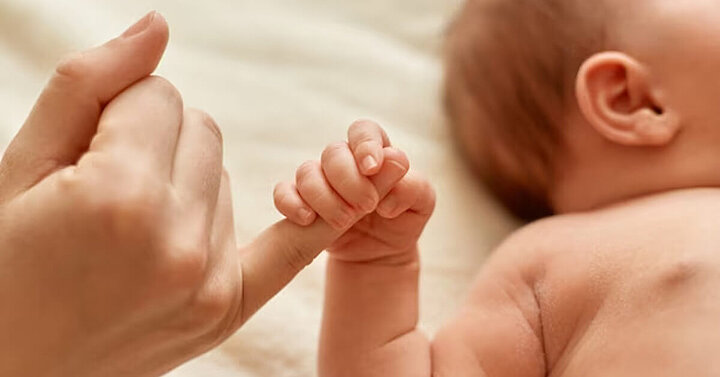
<point x="117" y="246"/>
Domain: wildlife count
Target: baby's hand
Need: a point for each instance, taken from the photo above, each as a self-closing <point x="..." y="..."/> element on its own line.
<point x="362" y="187"/>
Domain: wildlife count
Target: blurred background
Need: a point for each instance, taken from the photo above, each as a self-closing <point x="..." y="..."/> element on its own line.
<point x="283" y="78"/>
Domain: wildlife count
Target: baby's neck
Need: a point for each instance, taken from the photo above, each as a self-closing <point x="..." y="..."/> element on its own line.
<point x="592" y="173"/>
<point x="599" y="198"/>
<point x="668" y="195"/>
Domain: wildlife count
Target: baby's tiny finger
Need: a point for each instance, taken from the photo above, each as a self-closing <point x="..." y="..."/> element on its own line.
<point x="367" y="140"/>
<point x="393" y="170"/>
<point x="342" y="174"/>
<point x="291" y="205"/>
<point x="412" y="193"/>
<point x="320" y="196"/>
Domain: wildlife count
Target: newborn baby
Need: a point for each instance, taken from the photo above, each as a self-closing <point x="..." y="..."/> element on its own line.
<point x="601" y="116"/>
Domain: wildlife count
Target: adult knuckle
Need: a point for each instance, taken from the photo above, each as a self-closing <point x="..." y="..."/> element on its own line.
<point x="134" y="205"/>
<point x="131" y="207"/>
<point x="213" y="303"/>
<point x="164" y="88"/>
<point x="68" y="182"/>
<point x="73" y="69"/>
<point x="207" y="121"/>
<point x="214" y="313"/>
<point x="182" y="264"/>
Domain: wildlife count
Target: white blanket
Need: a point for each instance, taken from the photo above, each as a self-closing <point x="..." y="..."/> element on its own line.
<point x="283" y="78"/>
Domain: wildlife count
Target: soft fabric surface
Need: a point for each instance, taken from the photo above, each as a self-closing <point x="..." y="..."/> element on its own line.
<point x="283" y="78"/>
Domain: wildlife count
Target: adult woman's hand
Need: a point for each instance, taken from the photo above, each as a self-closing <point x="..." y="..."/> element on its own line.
<point x="117" y="246"/>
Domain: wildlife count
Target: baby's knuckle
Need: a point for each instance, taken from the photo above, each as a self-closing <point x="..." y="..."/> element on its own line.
<point x="364" y="124"/>
<point x="278" y="190"/>
<point x="280" y="197"/>
<point x="366" y="146"/>
<point x="332" y="151"/>
<point x="305" y="170"/>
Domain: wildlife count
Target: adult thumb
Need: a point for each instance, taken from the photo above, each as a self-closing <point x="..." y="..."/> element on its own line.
<point x="64" y="119"/>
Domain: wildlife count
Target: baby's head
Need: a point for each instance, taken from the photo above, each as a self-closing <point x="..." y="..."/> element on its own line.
<point x="569" y="105"/>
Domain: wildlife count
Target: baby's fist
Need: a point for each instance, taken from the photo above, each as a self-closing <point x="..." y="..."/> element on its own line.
<point x="347" y="183"/>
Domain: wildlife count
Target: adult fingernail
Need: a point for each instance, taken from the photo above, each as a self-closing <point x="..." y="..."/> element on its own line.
<point x="140" y="26"/>
<point x="369" y="163"/>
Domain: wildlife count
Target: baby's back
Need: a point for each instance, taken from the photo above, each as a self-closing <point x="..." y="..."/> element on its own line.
<point x="626" y="291"/>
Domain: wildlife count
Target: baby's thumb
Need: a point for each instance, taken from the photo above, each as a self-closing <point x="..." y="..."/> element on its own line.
<point x="64" y="119"/>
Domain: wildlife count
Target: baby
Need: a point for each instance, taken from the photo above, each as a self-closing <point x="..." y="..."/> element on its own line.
<point x="601" y="116"/>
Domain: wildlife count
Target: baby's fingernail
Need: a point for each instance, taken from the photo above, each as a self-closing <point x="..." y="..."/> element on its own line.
<point x="369" y="163"/>
<point x="368" y="205"/>
<point x="388" y="206"/>
<point x="304" y="214"/>
<point x="398" y="166"/>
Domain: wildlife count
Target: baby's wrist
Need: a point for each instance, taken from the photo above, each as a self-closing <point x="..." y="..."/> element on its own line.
<point x="389" y="256"/>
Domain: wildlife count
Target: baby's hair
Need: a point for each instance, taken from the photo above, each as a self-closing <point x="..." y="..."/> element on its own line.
<point x="509" y="71"/>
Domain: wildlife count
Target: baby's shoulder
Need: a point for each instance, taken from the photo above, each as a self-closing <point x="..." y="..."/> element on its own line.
<point x="537" y="242"/>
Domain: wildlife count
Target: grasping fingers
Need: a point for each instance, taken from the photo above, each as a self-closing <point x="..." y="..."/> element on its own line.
<point x="336" y="189"/>
<point x="291" y="205"/>
<point x="367" y="140"/>
<point x="341" y="171"/>
<point x="412" y="193"/>
<point x="317" y="192"/>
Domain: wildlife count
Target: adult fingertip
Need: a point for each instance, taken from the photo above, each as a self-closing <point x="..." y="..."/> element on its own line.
<point x="151" y="20"/>
<point x="140" y="26"/>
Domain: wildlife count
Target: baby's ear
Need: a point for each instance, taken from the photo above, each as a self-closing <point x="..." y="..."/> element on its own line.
<point x="616" y="97"/>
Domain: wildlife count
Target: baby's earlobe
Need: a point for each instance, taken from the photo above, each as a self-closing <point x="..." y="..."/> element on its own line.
<point x="658" y="128"/>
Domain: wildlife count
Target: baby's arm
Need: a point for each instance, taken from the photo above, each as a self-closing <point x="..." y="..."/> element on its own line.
<point x="499" y="332"/>
<point x="371" y="301"/>
<point x="370" y="318"/>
